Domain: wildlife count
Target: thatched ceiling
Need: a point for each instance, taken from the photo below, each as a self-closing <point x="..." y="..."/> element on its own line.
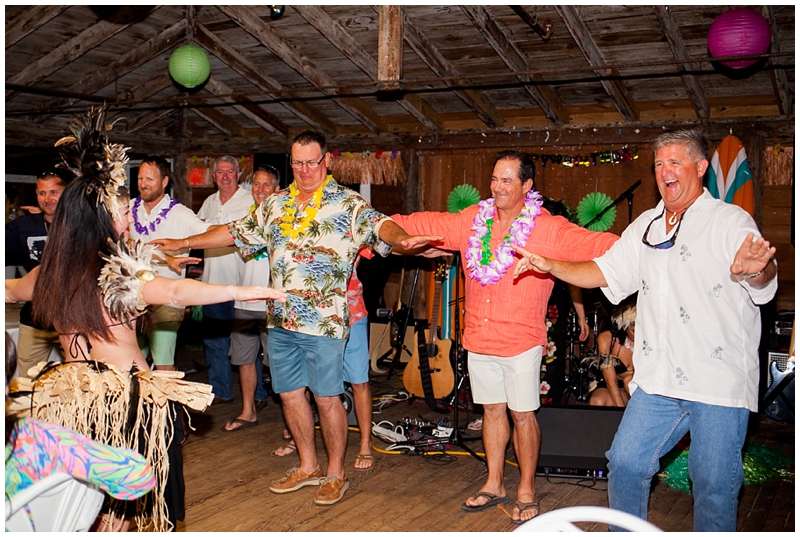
<point x="465" y="69"/>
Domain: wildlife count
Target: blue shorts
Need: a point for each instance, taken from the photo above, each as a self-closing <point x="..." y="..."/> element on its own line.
<point x="298" y="360"/>
<point x="356" y="354"/>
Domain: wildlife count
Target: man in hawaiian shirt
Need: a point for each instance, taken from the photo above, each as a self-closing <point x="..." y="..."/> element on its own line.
<point x="313" y="232"/>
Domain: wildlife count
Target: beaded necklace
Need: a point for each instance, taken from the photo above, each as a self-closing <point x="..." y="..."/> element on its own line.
<point x="151" y="227"/>
<point x="486" y="266"/>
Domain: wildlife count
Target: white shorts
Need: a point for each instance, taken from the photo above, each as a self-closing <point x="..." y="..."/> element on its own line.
<point x="513" y="380"/>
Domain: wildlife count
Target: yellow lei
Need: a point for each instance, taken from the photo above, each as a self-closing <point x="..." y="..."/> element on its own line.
<point x="289" y="225"/>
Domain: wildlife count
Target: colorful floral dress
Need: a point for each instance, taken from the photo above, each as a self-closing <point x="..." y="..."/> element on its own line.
<point x="39" y="449"/>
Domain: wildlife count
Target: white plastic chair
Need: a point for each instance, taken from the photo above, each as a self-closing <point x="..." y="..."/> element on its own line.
<point x="562" y="520"/>
<point x="57" y="503"/>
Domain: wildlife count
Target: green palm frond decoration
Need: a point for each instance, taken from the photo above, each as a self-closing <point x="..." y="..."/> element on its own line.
<point x="462" y="197"/>
<point x="592" y="205"/>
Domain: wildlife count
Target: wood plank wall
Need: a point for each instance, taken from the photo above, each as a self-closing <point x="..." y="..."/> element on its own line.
<point x="441" y="171"/>
<point x="776" y="227"/>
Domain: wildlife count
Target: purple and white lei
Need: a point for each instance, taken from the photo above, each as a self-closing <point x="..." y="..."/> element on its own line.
<point x="486" y="266"/>
<point x="143" y="230"/>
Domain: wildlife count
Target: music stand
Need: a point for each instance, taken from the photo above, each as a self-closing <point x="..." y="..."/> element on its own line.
<point x="460" y="369"/>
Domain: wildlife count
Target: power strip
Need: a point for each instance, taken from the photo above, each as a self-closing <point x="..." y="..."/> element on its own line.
<point x="387" y="434"/>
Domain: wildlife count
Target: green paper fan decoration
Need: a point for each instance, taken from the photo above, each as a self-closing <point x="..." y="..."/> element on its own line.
<point x="592" y="205"/>
<point x="462" y="197"/>
<point x="761" y="465"/>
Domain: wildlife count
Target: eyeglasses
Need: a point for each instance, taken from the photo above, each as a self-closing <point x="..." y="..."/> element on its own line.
<point x="669" y="243"/>
<point x="310" y="164"/>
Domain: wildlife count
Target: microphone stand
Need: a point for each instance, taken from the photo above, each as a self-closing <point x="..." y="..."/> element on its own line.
<point x="628" y="194"/>
<point x="460" y="366"/>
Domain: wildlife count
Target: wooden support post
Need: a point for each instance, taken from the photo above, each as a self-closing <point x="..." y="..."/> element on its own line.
<point x="390" y="47"/>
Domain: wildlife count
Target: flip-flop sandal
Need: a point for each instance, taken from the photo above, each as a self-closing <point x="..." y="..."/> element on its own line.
<point x="364" y="458"/>
<point x="243" y="424"/>
<point x="524" y="506"/>
<point x="291" y="447"/>
<point x="493" y="500"/>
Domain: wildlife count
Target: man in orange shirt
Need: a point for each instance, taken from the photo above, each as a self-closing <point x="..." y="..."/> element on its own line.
<point x="505" y="329"/>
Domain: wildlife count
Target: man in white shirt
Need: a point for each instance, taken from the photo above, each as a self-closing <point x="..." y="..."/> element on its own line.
<point x="157" y="215"/>
<point x="250" y="318"/>
<point x="700" y="276"/>
<point x="229" y="203"/>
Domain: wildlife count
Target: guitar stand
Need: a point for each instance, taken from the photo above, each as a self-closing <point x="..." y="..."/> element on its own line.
<point x="391" y="351"/>
<point x="401" y="332"/>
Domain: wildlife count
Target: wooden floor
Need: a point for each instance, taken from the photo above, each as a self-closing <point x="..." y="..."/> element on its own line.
<point x="228" y="475"/>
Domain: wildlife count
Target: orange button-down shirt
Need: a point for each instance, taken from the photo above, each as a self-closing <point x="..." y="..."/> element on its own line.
<point x="507" y="318"/>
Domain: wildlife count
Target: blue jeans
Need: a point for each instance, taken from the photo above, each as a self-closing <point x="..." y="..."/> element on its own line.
<point x="651" y="426"/>
<point x="217" y="324"/>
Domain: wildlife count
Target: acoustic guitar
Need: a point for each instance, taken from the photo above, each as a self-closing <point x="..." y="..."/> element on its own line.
<point x="432" y="355"/>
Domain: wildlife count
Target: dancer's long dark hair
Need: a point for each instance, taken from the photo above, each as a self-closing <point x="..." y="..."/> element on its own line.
<point x="11" y="367"/>
<point x="67" y="295"/>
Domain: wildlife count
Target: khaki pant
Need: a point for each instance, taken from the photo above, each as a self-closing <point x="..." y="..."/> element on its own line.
<point x="161" y="339"/>
<point x="35" y="346"/>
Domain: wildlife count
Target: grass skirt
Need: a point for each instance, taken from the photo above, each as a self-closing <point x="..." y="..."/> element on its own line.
<point x="119" y="409"/>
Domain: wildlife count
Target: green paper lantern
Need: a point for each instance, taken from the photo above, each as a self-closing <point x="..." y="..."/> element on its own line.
<point x="462" y="197"/>
<point x="189" y="66"/>
<point x="592" y="205"/>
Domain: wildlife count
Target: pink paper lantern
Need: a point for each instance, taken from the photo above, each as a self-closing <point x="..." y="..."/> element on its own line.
<point x="739" y="32"/>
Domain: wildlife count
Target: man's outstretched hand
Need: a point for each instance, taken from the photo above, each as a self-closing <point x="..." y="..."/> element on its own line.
<point x="176" y="264"/>
<point x="752" y="257"/>
<point x="530" y="261"/>
<point x="418" y="241"/>
<point x="169" y="245"/>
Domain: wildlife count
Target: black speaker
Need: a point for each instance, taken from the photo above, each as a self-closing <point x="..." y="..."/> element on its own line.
<point x="575" y="440"/>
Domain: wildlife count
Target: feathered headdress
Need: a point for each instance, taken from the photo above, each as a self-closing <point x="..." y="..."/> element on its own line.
<point x="625" y="317"/>
<point x="88" y="155"/>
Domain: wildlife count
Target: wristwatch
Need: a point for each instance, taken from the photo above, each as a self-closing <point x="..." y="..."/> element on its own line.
<point x="750" y="276"/>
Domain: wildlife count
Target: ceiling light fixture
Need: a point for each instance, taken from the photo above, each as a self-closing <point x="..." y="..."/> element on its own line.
<point x="276" y="12"/>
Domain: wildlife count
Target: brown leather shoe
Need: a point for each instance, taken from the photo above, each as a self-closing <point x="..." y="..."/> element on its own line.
<point x="296" y="479"/>
<point x="331" y="490"/>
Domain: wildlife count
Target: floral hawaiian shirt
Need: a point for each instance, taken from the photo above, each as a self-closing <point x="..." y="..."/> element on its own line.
<point x="314" y="268"/>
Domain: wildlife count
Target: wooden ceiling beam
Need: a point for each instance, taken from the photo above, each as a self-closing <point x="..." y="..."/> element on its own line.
<point x="26" y="134"/>
<point x="249" y="20"/>
<point x="422" y="112"/>
<point x="141" y="92"/>
<point x="609" y="77"/>
<point x="122" y="65"/>
<point x="74" y="48"/>
<point x="246" y="107"/>
<point x="29" y="20"/>
<point x="220" y="121"/>
<point x="236" y="61"/>
<point x="347" y="45"/>
<point x="429" y="54"/>
<point x="535" y="85"/>
<point x="780" y="81"/>
<point x="673" y="34"/>
<point x="148" y="118"/>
